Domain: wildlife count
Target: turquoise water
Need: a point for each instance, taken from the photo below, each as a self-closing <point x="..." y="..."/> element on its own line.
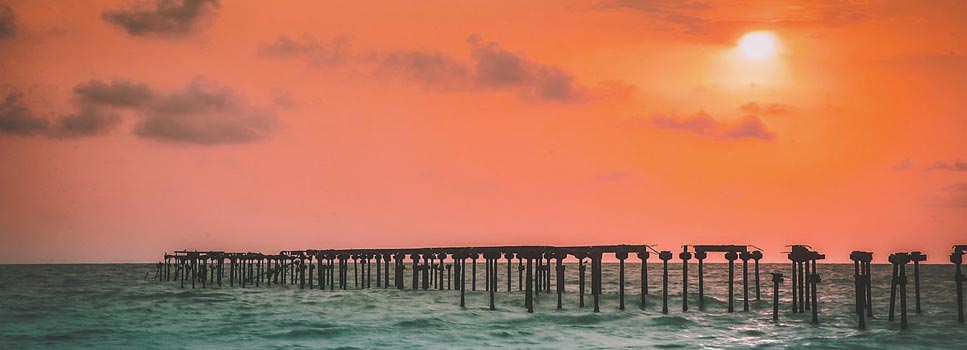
<point x="114" y="307"/>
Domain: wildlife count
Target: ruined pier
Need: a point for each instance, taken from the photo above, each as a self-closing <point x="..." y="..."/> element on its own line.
<point x="538" y="268"/>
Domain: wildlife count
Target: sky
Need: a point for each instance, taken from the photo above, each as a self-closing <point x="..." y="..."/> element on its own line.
<point x="128" y="129"/>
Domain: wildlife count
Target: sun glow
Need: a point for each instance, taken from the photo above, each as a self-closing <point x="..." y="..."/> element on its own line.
<point x="758" y="44"/>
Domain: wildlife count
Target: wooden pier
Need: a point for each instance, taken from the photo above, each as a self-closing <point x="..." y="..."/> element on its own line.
<point x="537" y="269"/>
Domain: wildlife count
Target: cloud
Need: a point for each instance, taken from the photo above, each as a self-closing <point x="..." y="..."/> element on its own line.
<point x="703" y="20"/>
<point x="16" y="118"/>
<point x="614" y="176"/>
<point x="118" y="93"/>
<point x="956" y="165"/>
<point x="490" y="68"/>
<point x="89" y="121"/>
<point x="905" y="164"/>
<point x="755" y="108"/>
<point x="433" y="70"/>
<point x="951" y="196"/>
<point x="308" y="47"/>
<point x="703" y="124"/>
<point x="8" y="26"/>
<point x="204" y="113"/>
<point x="167" y="17"/>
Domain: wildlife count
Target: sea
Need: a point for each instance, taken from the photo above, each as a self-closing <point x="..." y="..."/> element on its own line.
<point x="123" y="306"/>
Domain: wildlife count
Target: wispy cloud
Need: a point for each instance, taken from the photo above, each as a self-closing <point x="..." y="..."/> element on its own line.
<point x="491" y="67"/>
<point x="701" y="123"/>
<point x="165" y="17"/>
<point x="956" y="165"/>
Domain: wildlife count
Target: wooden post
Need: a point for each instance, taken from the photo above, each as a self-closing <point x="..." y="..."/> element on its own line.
<point x="621" y="256"/>
<point x="756" y="256"/>
<point x="510" y="258"/>
<point x="643" y="255"/>
<point x="664" y="256"/>
<point x="731" y="256"/>
<point x="685" y="256"/>
<point x="745" y="256"/>
<point x="529" y="296"/>
<point x="814" y="280"/>
<point x="701" y="255"/>
<point x="776" y="281"/>
<point x="582" y="270"/>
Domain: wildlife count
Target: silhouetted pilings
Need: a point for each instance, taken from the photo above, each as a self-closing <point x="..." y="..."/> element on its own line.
<point x="732" y="252"/>
<point x="862" y="282"/>
<point x="805" y="278"/>
<point x="776" y="281"/>
<point x="957" y="258"/>
<point x="329" y="269"/>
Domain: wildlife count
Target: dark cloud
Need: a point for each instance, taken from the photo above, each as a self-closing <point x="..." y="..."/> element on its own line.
<point x="16" y="118"/>
<point x="166" y="17"/>
<point x="309" y="48"/>
<point x="956" y="165"/>
<point x="204" y="113"/>
<point x="490" y="68"/>
<point x="89" y="121"/>
<point x="703" y="124"/>
<point x="436" y="71"/>
<point x="118" y="93"/>
<point x="952" y="196"/>
<point x="8" y="27"/>
<point x="496" y="68"/>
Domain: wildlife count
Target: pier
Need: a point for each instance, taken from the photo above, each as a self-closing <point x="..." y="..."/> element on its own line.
<point x="539" y="267"/>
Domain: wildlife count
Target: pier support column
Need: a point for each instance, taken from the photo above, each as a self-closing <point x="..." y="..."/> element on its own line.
<point x="463" y="280"/>
<point x="529" y="294"/>
<point x="795" y="286"/>
<point x="621" y="256"/>
<point x="813" y="283"/>
<point x="492" y="257"/>
<point x="957" y="258"/>
<point x="560" y="279"/>
<point x="756" y="256"/>
<point x="379" y="272"/>
<point x="510" y="259"/>
<point x="917" y="257"/>
<point x="807" y="285"/>
<point x="473" y="277"/>
<point x="731" y="256"/>
<point x="643" y="255"/>
<point x="596" y="279"/>
<point x="685" y="256"/>
<point x="745" y="256"/>
<point x="776" y="281"/>
<point x="664" y="256"/>
<point x="426" y="271"/>
<point x="899" y="261"/>
<point x="700" y="256"/>
<point x="582" y="269"/>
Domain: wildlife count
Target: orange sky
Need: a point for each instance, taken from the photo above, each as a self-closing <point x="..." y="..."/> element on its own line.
<point x="127" y="130"/>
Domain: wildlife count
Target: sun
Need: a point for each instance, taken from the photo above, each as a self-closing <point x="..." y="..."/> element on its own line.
<point x="758" y="44"/>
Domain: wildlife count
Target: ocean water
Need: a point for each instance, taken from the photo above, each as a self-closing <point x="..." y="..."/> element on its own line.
<point x="114" y="307"/>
